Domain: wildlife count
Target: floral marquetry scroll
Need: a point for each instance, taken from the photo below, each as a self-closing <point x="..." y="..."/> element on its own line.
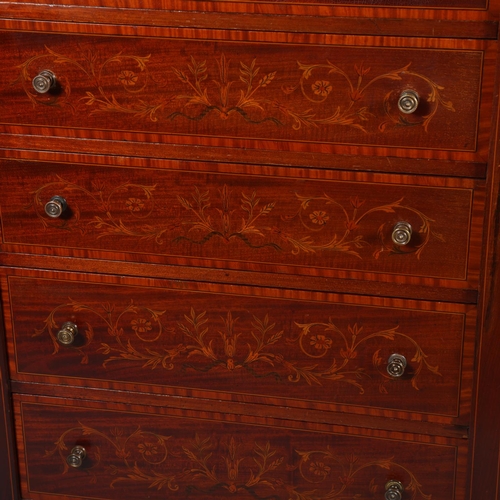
<point x="183" y="458"/>
<point x="228" y="218"/>
<point x="149" y="459"/>
<point x="212" y="96"/>
<point x="313" y="212"/>
<point x="316" y="94"/>
<point x="323" y="352"/>
<point x="324" y="356"/>
<point x="245" y="219"/>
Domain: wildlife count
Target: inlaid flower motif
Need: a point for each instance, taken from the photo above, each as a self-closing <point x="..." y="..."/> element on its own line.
<point x="321" y="342"/>
<point x="322" y="88"/>
<point x="319" y="217"/>
<point x="319" y="469"/>
<point x="147" y="449"/>
<point x="141" y="325"/>
<point x="134" y="204"/>
<point x="127" y="78"/>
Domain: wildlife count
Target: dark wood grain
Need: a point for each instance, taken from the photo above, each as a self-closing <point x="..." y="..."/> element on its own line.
<point x="112" y="152"/>
<point x="244" y="222"/>
<point x="372" y="419"/>
<point x="314" y="353"/>
<point x="392" y="287"/>
<point x="423" y="9"/>
<point x="269" y="150"/>
<point x="194" y="456"/>
<point x="154" y="394"/>
<point x="275" y="17"/>
<point x="224" y="315"/>
<point x="486" y="431"/>
<point x="246" y="91"/>
<point x="8" y="468"/>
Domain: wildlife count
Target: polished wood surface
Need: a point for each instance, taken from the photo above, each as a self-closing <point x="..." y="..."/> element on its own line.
<point x="278" y="103"/>
<point x="433" y="10"/>
<point x="286" y="94"/>
<point x="485" y="478"/>
<point x="314" y="353"/>
<point x="195" y="456"/>
<point x="246" y="90"/>
<point x="270" y="17"/>
<point x="8" y="467"/>
<point x="246" y="222"/>
<point x="233" y="173"/>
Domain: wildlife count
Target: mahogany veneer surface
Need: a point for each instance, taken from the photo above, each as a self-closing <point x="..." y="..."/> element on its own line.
<point x="193" y="457"/>
<point x="288" y="93"/>
<point x="233" y="173"/>
<point x="247" y="221"/>
<point x="311" y="352"/>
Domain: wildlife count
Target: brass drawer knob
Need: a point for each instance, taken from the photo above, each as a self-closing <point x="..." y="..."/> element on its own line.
<point x="401" y="234"/>
<point x="408" y="102"/>
<point x="394" y="490"/>
<point x="66" y="335"/>
<point x="396" y="365"/>
<point x="44" y="81"/>
<point x="76" y="457"/>
<point x="55" y="207"/>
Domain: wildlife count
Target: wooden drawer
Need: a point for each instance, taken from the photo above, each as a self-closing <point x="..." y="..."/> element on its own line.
<point x="293" y="351"/>
<point x="426" y="4"/>
<point x="251" y="222"/>
<point x="141" y="455"/>
<point x="421" y="6"/>
<point x="252" y="95"/>
<point x="454" y="4"/>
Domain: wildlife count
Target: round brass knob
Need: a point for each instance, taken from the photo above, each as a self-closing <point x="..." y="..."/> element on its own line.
<point x="394" y="490"/>
<point x="76" y="457"/>
<point x="408" y="102"/>
<point x="55" y="206"/>
<point x="396" y="365"/>
<point x="44" y="81"/>
<point x="66" y="335"/>
<point x="401" y="234"/>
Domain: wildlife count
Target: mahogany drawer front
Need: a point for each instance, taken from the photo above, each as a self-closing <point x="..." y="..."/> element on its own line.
<point x="223" y="5"/>
<point x="149" y="456"/>
<point x="252" y="95"/>
<point x="425" y="4"/>
<point x="455" y="4"/>
<point x="251" y="222"/>
<point x="301" y="352"/>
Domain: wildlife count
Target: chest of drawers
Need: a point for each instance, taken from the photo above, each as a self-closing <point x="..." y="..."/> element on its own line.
<point x="249" y="250"/>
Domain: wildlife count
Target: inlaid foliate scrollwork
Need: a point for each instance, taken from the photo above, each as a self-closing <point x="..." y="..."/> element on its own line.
<point x="316" y="224"/>
<point x="200" y="464"/>
<point x="325" y="94"/>
<point x="314" y="353"/>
